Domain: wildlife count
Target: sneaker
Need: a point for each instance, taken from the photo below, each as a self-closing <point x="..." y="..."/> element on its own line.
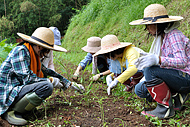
<point x="14" y="118"/>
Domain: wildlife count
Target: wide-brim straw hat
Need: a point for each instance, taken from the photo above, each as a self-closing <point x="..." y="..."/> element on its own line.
<point x="110" y="43"/>
<point x="44" y="37"/>
<point x="155" y="13"/>
<point x="93" y="45"/>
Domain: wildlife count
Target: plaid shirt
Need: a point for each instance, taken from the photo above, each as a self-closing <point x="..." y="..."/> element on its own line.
<point x="176" y="51"/>
<point x="14" y="74"/>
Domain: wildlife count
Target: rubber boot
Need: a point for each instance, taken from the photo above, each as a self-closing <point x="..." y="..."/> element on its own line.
<point x="14" y="118"/>
<point x="179" y="100"/>
<point x="27" y="103"/>
<point x="162" y="95"/>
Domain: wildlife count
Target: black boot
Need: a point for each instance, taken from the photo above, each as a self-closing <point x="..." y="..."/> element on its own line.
<point x="179" y="100"/>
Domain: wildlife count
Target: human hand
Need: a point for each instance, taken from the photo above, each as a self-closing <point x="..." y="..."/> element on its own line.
<point x="78" y="87"/>
<point x="95" y="77"/>
<point x="108" y="80"/>
<point x="113" y="83"/>
<point x="56" y="82"/>
<point x="75" y="76"/>
<point x="146" y="60"/>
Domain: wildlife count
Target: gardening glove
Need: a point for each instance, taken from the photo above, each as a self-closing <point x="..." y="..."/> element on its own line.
<point x="56" y="82"/>
<point x="75" y="76"/>
<point x="108" y="80"/>
<point x="113" y="83"/>
<point x="95" y="77"/>
<point x="78" y="87"/>
<point x="146" y="60"/>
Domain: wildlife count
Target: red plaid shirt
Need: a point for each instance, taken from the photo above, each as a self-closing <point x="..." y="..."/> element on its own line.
<point x="175" y="51"/>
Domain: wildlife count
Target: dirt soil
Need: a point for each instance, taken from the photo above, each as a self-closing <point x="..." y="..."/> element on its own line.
<point x="70" y="109"/>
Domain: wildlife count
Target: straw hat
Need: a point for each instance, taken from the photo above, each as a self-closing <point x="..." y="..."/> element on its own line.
<point x="93" y="45"/>
<point x="155" y="13"/>
<point x="110" y="43"/>
<point x="57" y="35"/>
<point x="44" y="37"/>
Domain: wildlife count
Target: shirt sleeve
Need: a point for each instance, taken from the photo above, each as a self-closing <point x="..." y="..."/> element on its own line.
<point x="176" y="57"/>
<point x="51" y="65"/>
<point x="131" y="55"/>
<point x="86" y="61"/>
<point x="21" y="66"/>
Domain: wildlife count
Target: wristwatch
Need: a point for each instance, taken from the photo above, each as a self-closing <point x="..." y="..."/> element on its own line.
<point x="101" y="74"/>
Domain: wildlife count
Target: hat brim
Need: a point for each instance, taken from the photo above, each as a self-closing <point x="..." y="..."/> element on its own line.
<point x="104" y="51"/>
<point x="29" y="39"/>
<point x="91" y="49"/>
<point x="162" y="20"/>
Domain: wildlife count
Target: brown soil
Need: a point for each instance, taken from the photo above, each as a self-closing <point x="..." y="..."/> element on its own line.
<point x="70" y="109"/>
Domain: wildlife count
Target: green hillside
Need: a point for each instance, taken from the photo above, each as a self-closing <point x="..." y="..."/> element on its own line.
<point x="102" y="17"/>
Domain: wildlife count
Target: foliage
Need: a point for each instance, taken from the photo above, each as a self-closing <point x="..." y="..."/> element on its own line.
<point x="6" y="27"/>
<point x="27" y="15"/>
<point x="102" y="17"/>
<point x="5" y="49"/>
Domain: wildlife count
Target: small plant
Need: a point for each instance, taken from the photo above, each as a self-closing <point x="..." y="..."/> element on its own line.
<point x="86" y="97"/>
<point x="121" y="121"/>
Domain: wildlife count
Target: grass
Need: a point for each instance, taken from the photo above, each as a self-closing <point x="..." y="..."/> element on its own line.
<point x="100" y="18"/>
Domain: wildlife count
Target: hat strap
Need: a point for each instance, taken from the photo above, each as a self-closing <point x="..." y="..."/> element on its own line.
<point x="37" y="39"/>
<point x="154" y="19"/>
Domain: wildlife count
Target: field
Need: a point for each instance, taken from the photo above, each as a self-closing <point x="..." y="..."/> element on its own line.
<point x="95" y="108"/>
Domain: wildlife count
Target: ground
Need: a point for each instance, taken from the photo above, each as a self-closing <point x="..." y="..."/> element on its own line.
<point x="91" y="109"/>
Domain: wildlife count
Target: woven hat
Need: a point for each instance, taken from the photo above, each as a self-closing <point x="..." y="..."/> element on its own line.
<point x="110" y="43"/>
<point x="44" y="37"/>
<point x="57" y="35"/>
<point x="155" y="13"/>
<point x="93" y="45"/>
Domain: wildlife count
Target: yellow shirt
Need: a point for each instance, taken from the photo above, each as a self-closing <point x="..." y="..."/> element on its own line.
<point x="131" y="55"/>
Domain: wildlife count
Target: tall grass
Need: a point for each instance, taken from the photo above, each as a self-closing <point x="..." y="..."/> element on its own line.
<point x="102" y="17"/>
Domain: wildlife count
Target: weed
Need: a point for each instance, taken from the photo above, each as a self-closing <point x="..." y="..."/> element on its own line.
<point x="121" y="121"/>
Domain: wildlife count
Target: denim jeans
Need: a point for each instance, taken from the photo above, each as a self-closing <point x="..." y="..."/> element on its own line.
<point x="43" y="89"/>
<point x="176" y="80"/>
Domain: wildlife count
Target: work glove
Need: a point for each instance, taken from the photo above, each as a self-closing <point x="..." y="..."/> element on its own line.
<point x="108" y="80"/>
<point x="146" y="60"/>
<point x="78" y="87"/>
<point x="113" y="83"/>
<point x="95" y="77"/>
<point x="56" y="82"/>
<point x="75" y="76"/>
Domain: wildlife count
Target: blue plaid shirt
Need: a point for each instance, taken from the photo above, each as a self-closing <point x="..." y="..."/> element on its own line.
<point x="14" y="74"/>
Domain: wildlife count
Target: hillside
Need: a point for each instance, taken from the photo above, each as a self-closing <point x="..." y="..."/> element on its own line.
<point x="100" y="18"/>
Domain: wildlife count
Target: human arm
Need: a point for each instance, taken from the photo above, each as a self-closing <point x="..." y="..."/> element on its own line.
<point x="50" y="64"/>
<point x="175" y="50"/>
<point x="82" y="65"/>
<point x="97" y="76"/>
<point x="62" y="82"/>
<point x="131" y="55"/>
<point x="86" y="61"/>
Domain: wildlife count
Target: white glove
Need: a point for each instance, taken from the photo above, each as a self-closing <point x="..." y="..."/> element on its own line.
<point x="95" y="77"/>
<point x="78" y="87"/>
<point x="113" y="83"/>
<point x="108" y="80"/>
<point x="56" y="82"/>
<point x="75" y="76"/>
<point x="146" y="60"/>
